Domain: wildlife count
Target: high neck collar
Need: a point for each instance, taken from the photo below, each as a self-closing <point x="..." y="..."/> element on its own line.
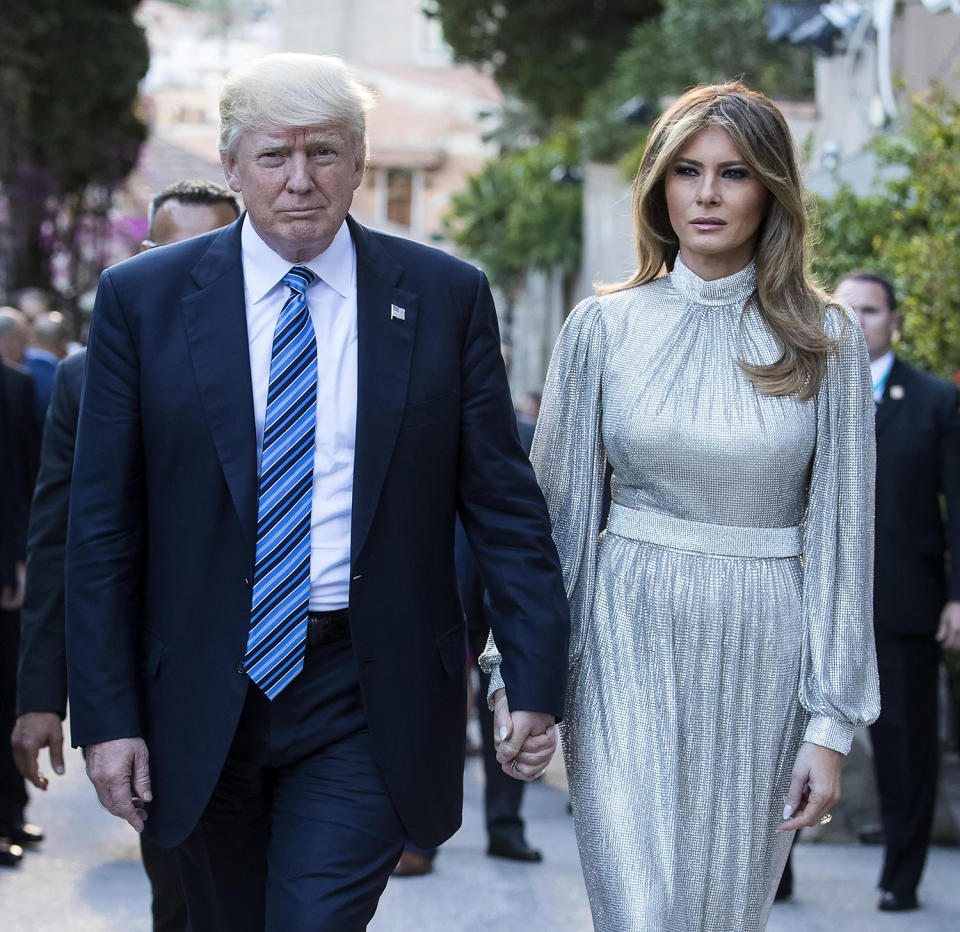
<point x="721" y="292"/>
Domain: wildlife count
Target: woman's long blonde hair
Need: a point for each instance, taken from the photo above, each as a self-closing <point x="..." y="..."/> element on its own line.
<point x="790" y="301"/>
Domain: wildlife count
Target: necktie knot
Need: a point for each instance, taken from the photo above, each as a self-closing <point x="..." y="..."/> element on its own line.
<point x="299" y="278"/>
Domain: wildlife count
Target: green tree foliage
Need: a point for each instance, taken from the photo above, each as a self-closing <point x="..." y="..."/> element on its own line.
<point x="68" y="84"/>
<point x="691" y="42"/>
<point x="548" y="52"/>
<point x="521" y="212"/>
<point x="909" y="229"/>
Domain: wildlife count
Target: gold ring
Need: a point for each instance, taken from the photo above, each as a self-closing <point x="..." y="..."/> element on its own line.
<point x="827" y="819"/>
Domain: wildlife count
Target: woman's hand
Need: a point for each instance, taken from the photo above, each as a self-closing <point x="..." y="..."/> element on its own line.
<point x="525" y="741"/>
<point x="814" y="788"/>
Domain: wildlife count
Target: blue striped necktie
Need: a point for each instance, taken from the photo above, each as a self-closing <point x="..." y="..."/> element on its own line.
<point x="281" y="580"/>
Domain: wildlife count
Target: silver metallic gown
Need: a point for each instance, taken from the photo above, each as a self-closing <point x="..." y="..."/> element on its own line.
<point x="724" y="615"/>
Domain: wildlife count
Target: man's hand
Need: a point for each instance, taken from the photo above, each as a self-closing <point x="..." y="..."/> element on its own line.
<point x="120" y="773"/>
<point x="814" y="788"/>
<point x="949" y="632"/>
<point x="525" y="741"/>
<point x="32" y="731"/>
<point x="11" y="597"/>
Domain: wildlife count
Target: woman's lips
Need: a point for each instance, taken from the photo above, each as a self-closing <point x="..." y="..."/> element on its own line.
<point x="708" y="224"/>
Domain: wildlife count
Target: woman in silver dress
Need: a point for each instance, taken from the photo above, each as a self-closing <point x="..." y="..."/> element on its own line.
<point x="722" y="643"/>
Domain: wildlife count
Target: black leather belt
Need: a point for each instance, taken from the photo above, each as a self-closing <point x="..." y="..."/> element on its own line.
<point x="325" y="628"/>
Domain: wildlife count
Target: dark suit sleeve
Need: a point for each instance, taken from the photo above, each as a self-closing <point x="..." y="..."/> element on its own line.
<point x="104" y="535"/>
<point x="505" y="518"/>
<point x="42" y="678"/>
<point x="950" y="478"/>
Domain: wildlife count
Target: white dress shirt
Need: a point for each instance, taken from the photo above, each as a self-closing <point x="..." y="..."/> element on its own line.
<point x="879" y="371"/>
<point x="332" y="301"/>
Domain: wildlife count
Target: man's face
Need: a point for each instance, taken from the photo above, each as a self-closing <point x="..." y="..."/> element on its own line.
<point x="869" y="303"/>
<point x="297" y="185"/>
<point x="175" y="220"/>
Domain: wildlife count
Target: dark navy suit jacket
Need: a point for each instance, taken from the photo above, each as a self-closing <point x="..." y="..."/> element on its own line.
<point x="163" y="508"/>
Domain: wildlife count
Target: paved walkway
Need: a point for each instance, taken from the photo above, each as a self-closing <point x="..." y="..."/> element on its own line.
<point x="87" y="878"/>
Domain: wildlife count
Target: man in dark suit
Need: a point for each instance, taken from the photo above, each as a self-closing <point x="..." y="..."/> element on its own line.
<point x="916" y="594"/>
<point x="264" y="638"/>
<point x="180" y="211"/>
<point x="19" y="457"/>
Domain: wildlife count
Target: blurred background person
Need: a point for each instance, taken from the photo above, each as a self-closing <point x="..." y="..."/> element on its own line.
<point x="916" y="589"/>
<point x="19" y="457"/>
<point x="48" y="345"/>
<point x="33" y="302"/>
<point x="189" y="208"/>
<point x="180" y="211"/>
<point x="14" y="337"/>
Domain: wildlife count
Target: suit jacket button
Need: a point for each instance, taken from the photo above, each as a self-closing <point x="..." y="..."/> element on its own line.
<point x="240" y="669"/>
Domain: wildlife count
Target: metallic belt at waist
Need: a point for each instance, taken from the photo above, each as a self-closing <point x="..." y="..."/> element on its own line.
<point x="657" y="527"/>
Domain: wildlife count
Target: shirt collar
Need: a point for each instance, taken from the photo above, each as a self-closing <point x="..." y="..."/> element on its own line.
<point x="263" y="269"/>
<point x="880" y="368"/>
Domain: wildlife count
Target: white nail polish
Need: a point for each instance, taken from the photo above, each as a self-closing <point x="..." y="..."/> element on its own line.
<point x="787" y="811"/>
<point x="503" y="732"/>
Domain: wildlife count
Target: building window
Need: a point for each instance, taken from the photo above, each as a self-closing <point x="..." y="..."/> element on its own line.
<point x="400" y="196"/>
<point x="429" y="45"/>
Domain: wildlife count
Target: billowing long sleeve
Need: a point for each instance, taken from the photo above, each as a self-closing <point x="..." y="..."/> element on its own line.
<point x="838" y="680"/>
<point x="569" y="460"/>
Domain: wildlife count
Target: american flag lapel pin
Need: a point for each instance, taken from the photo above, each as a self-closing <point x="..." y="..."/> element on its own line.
<point x="397" y="313"/>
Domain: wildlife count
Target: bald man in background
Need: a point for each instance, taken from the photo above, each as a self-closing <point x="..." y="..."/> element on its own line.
<point x="179" y="212"/>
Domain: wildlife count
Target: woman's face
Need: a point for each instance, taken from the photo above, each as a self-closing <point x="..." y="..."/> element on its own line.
<point x="715" y="203"/>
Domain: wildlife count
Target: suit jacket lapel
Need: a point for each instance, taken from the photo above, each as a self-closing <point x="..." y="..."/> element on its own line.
<point x="216" y="325"/>
<point x="894" y="395"/>
<point x="386" y="327"/>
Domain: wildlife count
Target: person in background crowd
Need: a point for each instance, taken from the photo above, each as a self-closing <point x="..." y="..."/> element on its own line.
<point x="722" y="644"/>
<point x="916" y="588"/>
<point x="19" y="458"/>
<point x="189" y="208"/>
<point x="14" y="337"/>
<point x="33" y="302"/>
<point x="48" y="346"/>
<point x="178" y="212"/>
<point x="266" y="647"/>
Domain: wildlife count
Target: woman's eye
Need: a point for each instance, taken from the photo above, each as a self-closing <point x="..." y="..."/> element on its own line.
<point x="685" y="170"/>
<point x="735" y="173"/>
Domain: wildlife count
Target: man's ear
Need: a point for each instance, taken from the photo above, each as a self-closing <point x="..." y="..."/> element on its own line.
<point x="229" y="163"/>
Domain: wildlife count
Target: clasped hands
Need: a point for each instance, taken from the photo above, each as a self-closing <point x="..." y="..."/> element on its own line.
<point x="525" y="741"/>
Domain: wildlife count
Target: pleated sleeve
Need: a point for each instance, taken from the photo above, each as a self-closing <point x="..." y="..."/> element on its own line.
<point x="569" y="460"/>
<point x="838" y="679"/>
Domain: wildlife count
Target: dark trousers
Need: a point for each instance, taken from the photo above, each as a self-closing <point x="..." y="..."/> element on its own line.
<point x="300" y="833"/>
<point x="502" y="794"/>
<point x="13" y="788"/>
<point x="168" y="907"/>
<point x="906" y="754"/>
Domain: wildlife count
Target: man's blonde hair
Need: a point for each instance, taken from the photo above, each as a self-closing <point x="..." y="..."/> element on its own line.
<point x="292" y="89"/>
